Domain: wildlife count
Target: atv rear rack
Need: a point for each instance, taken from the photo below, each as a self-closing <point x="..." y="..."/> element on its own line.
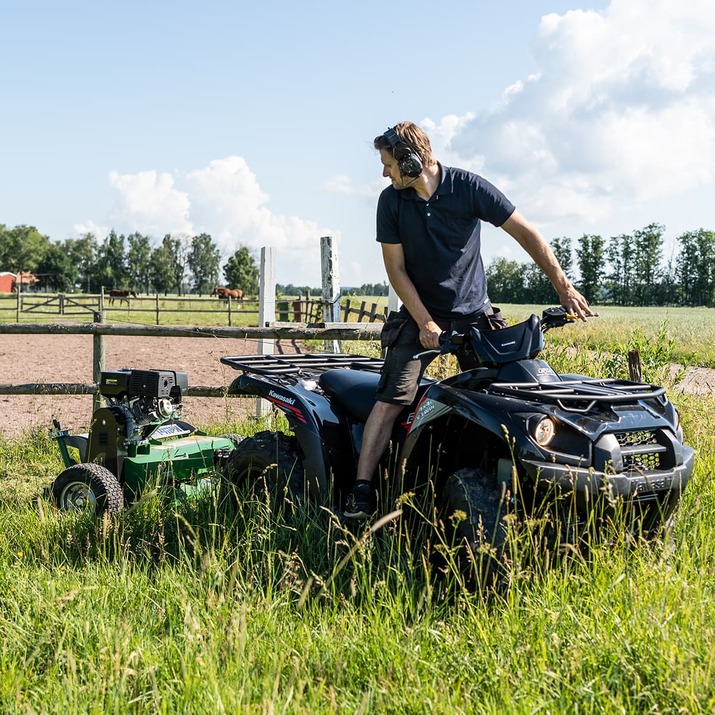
<point x="301" y="364"/>
<point x="581" y="395"/>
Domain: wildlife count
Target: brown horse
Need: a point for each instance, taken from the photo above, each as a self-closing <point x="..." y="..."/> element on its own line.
<point x="226" y="293"/>
<point x="123" y="295"/>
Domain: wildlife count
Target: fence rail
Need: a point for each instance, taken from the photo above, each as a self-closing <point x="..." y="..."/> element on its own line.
<point x="301" y="310"/>
<point x="277" y="331"/>
<point x="90" y="304"/>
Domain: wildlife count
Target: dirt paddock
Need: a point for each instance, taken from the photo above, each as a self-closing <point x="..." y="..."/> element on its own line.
<point x="68" y="358"/>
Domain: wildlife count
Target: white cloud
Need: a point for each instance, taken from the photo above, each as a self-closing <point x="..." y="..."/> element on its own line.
<point x="149" y="202"/>
<point x="621" y="112"/>
<point x="223" y="199"/>
<point x="81" y="229"/>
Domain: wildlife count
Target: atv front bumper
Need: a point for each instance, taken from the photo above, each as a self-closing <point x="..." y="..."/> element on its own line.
<point x="630" y="486"/>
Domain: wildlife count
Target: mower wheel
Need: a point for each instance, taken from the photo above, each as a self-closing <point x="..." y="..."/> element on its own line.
<point x="88" y="487"/>
<point x="266" y="465"/>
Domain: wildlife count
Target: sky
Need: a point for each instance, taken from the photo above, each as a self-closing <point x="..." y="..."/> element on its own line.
<point x="254" y="122"/>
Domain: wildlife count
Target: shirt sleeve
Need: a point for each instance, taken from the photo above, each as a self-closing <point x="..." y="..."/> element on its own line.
<point x="387" y="217"/>
<point x="492" y="205"/>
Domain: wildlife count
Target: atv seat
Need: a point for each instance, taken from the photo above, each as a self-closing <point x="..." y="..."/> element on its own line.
<point x="354" y="390"/>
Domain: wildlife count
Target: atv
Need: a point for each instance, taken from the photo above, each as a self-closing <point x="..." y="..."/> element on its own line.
<point x="136" y="439"/>
<point x="505" y="437"/>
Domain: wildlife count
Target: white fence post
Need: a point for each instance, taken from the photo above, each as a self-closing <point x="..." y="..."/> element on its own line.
<point x="266" y="311"/>
<point x="393" y="302"/>
<point x="331" y="287"/>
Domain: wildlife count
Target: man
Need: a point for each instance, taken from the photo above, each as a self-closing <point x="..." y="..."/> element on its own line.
<point x="428" y="223"/>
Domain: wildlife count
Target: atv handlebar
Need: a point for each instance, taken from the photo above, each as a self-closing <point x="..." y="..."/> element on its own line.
<point x="450" y="342"/>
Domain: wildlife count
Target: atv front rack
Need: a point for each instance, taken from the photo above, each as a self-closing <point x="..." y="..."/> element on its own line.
<point x="581" y="395"/>
<point x="301" y="364"/>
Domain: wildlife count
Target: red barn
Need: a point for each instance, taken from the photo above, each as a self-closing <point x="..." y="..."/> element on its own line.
<point x="8" y="281"/>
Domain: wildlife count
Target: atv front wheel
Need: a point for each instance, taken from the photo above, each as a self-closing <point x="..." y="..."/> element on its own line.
<point x="472" y="515"/>
<point x="88" y="487"/>
<point x="265" y="465"/>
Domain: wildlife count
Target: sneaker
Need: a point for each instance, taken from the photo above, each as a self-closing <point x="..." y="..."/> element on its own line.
<point x="360" y="503"/>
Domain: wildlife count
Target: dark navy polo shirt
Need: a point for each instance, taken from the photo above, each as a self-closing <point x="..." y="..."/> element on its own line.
<point x="441" y="239"/>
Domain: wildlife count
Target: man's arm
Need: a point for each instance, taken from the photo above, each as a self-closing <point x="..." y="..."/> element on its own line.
<point x="394" y="257"/>
<point x="528" y="237"/>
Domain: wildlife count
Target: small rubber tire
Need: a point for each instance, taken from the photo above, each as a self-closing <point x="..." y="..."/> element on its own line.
<point x="88" y="487"/>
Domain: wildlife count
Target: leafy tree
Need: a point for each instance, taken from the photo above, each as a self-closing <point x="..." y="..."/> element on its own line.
<point x="82" y="252"/>
<point x="241" y="271"/>
<point x="648" y="256"/>
<point x="563" y="251"/>
<point x="290" y="290"/>
<point x="591" y="265"/>
<point x="505" y="279"/>
<point x="176" y="251"/>
<point x="22" y="248"/>
<point x="56" y="270"/>
<point x="163" y="277"/>
<point x="536" y="287"/>
<point x="110" y="270"/>
<point x="621" y="258"/>
<point x="695" y="268"/>
<point x="139" y="262"/>
<point x="203" y="259"/>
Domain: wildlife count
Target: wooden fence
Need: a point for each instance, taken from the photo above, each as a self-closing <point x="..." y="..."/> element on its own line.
<point x="335" y="331"/>
<point x="311" y="310"/>
<point x="88" y="306"/>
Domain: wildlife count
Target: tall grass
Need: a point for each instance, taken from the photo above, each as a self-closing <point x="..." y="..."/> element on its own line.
<point x="184" y="608"/>
<point x="180" y="606"/>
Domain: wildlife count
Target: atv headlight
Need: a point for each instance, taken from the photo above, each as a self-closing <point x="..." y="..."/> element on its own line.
<point x="544" y="431"/>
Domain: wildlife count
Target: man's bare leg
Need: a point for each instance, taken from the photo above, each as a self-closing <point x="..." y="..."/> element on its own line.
<point x="376" y="437"/>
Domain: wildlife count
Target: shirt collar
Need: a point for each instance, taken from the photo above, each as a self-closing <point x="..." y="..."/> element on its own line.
<point x="445" y="186"/>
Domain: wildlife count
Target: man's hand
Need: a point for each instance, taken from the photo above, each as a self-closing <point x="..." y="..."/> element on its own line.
<point x="575" y="303"/>
<point x="429" y="335"/>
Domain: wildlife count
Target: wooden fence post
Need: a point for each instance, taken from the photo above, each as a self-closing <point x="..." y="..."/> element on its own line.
<point x="331" y="287"/>
<point x="266" y="311"/>
<point x="635" y="367"/>
<point x="98" y="356"/>
<point x="158" y="319"/>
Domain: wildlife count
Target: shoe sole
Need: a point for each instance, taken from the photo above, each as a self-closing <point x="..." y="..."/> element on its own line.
<point x="356" y="515"/>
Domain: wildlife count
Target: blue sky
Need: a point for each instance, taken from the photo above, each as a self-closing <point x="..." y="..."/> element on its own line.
<point x="254" y="121"/>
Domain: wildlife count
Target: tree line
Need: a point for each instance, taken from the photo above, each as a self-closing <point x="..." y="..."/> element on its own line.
<point x="627" y="270"/>
<point x="176" y="264"/>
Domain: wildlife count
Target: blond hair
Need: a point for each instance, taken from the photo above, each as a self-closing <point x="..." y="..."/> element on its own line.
<point x="414" y="137"/>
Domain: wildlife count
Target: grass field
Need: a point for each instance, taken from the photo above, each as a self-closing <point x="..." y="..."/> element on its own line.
<point x="179" y="608"/>
<point x="688" y="333"/>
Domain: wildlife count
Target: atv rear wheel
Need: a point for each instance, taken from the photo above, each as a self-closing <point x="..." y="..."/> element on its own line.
<point x="472" y="515"/>
<point x="267" y="465"/>
<point x="88" y="487"/>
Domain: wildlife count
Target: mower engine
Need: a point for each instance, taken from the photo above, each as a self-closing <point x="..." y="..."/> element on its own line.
<point x="143" y="399"/>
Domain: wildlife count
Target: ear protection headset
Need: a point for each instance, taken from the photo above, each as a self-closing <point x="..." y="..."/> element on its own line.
<point x="407" y="158"/>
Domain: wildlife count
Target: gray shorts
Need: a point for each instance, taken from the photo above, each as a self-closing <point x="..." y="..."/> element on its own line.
<point x="401" y="373"/>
